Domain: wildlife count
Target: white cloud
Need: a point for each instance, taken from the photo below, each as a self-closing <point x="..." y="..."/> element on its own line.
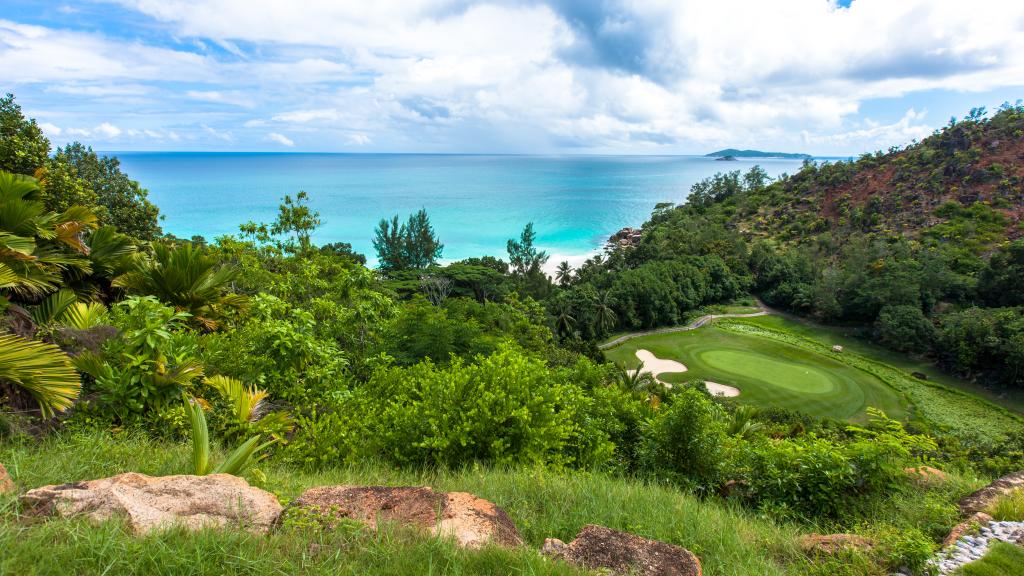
<point x="51" y="130"/>
<point x="280" y="139"/>
<point x="640" y="75"/>
<point x="107" y="130"/>
<point x="358" y="139"/>
<point x="303" y="116"/>
<point x="232" y="97"/>
<point x="104" y="131"/>
<point x="906" y="129"/>
<point x="222" y="135"/>
<point x="30" y="54"/>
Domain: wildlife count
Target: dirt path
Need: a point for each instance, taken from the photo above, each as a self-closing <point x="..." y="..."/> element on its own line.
<point x="658" y="366"/>
<point x="691" y="326"/>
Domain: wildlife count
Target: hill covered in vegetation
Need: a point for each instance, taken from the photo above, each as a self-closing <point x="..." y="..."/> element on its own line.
<point x="920" y="246"/>
<point x="263" y="355"/>
<point x="735" y="153"/>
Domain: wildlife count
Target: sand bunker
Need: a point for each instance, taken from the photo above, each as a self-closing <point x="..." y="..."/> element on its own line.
<point x="658" y="366"/>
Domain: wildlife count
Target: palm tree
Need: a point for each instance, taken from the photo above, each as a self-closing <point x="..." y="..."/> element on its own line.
<point x="39" y="369"/>
<point x="604" y="313"/>
<point x="742" y="423"/>
<point x="235" y="463"/>
<point x="639" y="382"/>
<point x="37" y="248"/>
<point x="187" y="279"/>
<point x="564" y="320"/>
<point x="563" y="273"/>
<point x="111" y="254"/>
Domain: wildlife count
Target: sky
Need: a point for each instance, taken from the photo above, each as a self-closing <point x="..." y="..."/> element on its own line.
<point x="823" y="77"/>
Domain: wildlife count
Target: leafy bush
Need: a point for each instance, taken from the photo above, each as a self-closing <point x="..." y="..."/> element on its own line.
<point x="148" y="365"/>
<point x="813" y="477"/>
<point x="504" y="408"/>
<point x="904" y="328"/>
<point x="685" y="443"/>
<point x="276" y="348"/>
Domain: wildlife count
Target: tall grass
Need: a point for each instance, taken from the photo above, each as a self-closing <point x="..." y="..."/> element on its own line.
<point x="542" y="503"/>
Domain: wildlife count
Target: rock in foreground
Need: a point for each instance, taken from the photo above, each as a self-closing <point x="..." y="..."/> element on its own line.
<point x="597" y="547"/>
<point x="471" y="521"/>
<point x="981" y="499"/>
<point x="149" y="503"/>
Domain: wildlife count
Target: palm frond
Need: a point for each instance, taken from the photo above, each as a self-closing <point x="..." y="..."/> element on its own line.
<point x="248" y="403"/>
<point x="83" y="315"/>
<point x="242" y="457"/>
<point x="42" y="370"/>
<point x="181" y="375"/>
<point x="20" y="247"/>
<point x="8" y="278"/>
<point x="53" y="306"/>
<point x="15" y="187"/>
<point x="200" y="436"/>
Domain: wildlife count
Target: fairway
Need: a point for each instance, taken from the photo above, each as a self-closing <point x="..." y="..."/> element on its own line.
<point x="768" y="372"/>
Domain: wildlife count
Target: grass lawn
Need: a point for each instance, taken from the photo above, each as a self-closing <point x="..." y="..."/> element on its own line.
<point x="1001" y="560"/>
<point x="542" y="503"/>
<point x="768" y="372"/>
<point x="849" y="339"/>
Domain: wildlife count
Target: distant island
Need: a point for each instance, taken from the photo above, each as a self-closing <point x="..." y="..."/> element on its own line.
<point x="733" y="154"/>
<point x="728" y="158"/>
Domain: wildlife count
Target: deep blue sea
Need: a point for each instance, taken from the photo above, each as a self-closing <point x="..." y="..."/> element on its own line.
<point x="476" y="203"/>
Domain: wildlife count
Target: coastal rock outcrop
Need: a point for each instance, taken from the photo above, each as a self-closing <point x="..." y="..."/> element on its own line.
<point x="6" y="484"/>
<point x="626" y="237"/>
<point x="981" y="499"/>
<point x="149" y="503"/>
<point x="471" y="521"/>
<point x="597" y="547"/>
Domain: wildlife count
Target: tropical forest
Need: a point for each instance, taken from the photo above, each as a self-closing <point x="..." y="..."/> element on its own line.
<point x="819" y="373"/>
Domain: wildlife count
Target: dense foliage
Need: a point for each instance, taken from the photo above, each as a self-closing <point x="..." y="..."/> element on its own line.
<point x="302" y="354"/>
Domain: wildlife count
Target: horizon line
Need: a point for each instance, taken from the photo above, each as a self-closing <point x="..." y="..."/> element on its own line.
<point x="520" y="154"/>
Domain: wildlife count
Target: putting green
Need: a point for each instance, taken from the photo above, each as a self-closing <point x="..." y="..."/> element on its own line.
<point x="804" y="379"/>
<point x="768" y="372"/>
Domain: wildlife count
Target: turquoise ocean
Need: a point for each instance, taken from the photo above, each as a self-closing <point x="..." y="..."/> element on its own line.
<point x="476" y="202"/>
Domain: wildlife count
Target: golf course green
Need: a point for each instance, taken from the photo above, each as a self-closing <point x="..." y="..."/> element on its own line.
<point x="768" y="372"/>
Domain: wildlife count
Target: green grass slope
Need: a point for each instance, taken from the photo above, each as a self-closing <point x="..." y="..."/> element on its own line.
<point x="542" y="504"/>
<point x="960" y="413"/>
<point x="850" y="339"/>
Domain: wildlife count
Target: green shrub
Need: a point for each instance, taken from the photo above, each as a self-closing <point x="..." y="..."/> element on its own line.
<point x="685" y="443"/>
<point x="143" y="370"/>
<point x="904" y="328"/>
<point x="814" y="477"/>
<point x="277" y="349"/>
<point x="504" y="408"/>
<point x="335" y="432"/>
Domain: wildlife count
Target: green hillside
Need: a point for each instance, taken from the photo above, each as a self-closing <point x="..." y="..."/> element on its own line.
<point x="266" y="357"/>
